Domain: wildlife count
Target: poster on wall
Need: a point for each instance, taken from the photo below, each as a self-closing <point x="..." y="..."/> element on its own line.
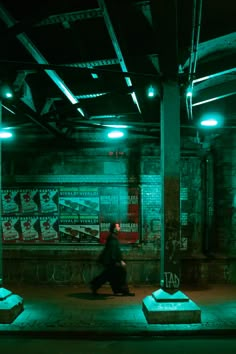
<point x="133" y="205"/>
<point x="29" y="201"/>
<point x="120" y="204"/>
<point x="109" y="204"/>
<point x="152" y="230"/>
<point x="68" y="228"/>
<point x="49" y="231"/>
<point x="151" y="224"/>
<point x="73" y="214"/>
<point x="79" y="201"/>
<point x="48" y="200"/>
<point x="84" y="229"/>
<point x="79" y="214"/>
<point x="29" y="228"/>
<point x="10" y="201"/>
<point x="128" y="232"/>
<point x="10" y="228"/>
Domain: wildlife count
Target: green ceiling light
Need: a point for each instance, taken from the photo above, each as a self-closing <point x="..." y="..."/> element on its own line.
<point x="79" y="109"/>
<point x="119" y="126"/>
<point x="5" y="135"/>
<point x="6" y="91"/>
<point x="94" y="75"/>
<point x="189" y="92"/>
<point x="9" y="94"/>
<point x="115" y="134"/>
<point x="211" y="120"/>
<point x="151" y="91"/>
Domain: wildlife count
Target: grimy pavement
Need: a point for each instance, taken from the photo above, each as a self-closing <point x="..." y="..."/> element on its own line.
<point x="74" y="311"/>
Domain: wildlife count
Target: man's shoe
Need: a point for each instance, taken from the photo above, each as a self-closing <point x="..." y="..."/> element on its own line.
<point x="93" y="289"/>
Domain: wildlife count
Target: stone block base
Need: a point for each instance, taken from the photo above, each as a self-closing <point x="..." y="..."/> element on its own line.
<point x="11" y="305"/>
<point x="164" y="308"/>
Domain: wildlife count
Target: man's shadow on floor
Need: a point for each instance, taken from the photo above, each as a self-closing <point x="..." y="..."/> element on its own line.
<point x="90" y="296"/>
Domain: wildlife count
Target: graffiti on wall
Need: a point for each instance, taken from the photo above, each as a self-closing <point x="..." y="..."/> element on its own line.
<point x="171" y="280"/>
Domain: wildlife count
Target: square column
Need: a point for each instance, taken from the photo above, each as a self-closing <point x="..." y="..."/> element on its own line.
<point x="168" y="304"/>
<point x="170" y="175"/>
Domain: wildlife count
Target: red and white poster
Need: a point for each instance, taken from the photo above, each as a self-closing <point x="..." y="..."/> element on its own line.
<point x="120" y="204"/>
<point x="10" y="201"/>
<point x="10" y="228"/>
<point x="29" y="228"/>
<point x="29" y="201"/>
<point x="49" y="228"/>
<point x="48" y="200"/>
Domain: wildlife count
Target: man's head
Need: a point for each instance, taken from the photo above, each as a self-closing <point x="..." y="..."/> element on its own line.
<point x="114" y="227"/>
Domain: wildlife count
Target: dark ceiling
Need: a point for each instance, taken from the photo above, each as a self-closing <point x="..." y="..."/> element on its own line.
<point x="76" y="66"/>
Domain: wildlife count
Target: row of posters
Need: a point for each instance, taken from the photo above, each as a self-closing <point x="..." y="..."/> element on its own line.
<point x="69" y="214"/>
<point x="29" y="201"/>
<point x="30" y="228"/>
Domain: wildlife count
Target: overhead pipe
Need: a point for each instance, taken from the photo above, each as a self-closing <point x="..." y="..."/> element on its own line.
<point x="197" y="17"/>
<point x="212" y="76"/>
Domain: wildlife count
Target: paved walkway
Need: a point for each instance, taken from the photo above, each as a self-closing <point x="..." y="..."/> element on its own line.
<point x="74" y="311"/>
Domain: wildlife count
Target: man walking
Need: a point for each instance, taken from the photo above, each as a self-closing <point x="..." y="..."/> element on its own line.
<point x="114" y="270"/>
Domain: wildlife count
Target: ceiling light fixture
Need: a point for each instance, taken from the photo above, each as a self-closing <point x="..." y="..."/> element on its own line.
<point x="94" y="75"/>
<point x="115" y="134"/>
<point x="81" y="111"/>
<point x="211" y="120"/>
<point x="151" y="91"/>
<point x="189" y="92"/>
<point x="115" y="126"/>
<point x="5" y="135"/>
<point x="209" y="123"/>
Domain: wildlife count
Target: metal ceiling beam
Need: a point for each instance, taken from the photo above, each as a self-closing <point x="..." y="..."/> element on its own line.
<point x="145" y="7"/>
<point x="93" y="63"/>
<point x="70" y="17"/>
<point x="48" y="127"/>
<point x="36" y="54"/>
<point x="117" y="48"/>
<point x="143" y="131"/>
<point x="70" y="67"/>
<point x="224" y="44"/>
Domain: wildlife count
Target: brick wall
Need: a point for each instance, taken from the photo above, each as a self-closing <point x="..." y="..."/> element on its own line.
<point x="225" y="194"/>
<point x="124" y="167"/>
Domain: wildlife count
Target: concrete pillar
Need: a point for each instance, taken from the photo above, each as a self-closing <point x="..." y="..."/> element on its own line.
<point x="170" y="174"/>
<point x="168" y="304"/>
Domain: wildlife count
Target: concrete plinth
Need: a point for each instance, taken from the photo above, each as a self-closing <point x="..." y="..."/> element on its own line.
<point x="164" y="308"/>
<point x="11" y="305"/>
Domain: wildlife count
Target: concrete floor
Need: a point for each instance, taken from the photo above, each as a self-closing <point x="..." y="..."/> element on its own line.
<point x="75" y="311"/>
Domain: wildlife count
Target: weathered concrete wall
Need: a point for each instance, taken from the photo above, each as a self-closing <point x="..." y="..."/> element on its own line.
<point x="65" y="265"/>
<point x="72" y="265"/>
